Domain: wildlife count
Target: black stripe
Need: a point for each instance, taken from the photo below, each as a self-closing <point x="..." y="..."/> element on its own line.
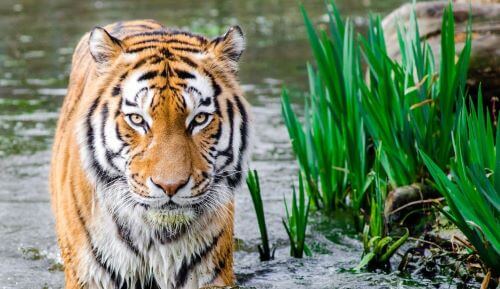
<point x="193" y="89"/>
<point x="162" y="41"/>
<point x="116" y="90"/>
<point x="123" y="76"/>
<point x="228" y="151"/>
<point x="155" y="60"/>
<point x="204" y="155"/>
<point x="187" y="49"/>
<point x="183" y="74"/>
<point x="101" y="174"/>
<point x="205" y="102"/>
<point x="115" y="277"/>
<point x="147" y="41"/>
<point x="166" y="53"/>
<point x="244" y="123"/>
<point x="202" y="39"/>
<point x="217" y="108"/>
<point x="181" y="104"/>
<point x="147" y="33"/>
<point x="84" y="225"/>
<point x="151" y="284"/>
<point x="140" y="63"/>
<point x="217" y="40"/>
<point x="215" y="85"/>
<point x="108" y="153"/>
<point x="95" y="253"/>
<point x="124" y="234"/>
<point x="235" y="179"/>
<point x="221" y="265"/>
<point x="117" y="132"/>
<point x="79" y="211"/>
<point x="195" y="259"/>
<point x="188" y="61"/>
<point x="148" y="75"/>
<point x="129" y="103"/>
<point x="218" y="133"/>
<point x="139" y="49"/>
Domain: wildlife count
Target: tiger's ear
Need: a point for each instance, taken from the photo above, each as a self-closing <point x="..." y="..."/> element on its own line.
<point x="229" y="47"/>
<point x="103" y="47"/>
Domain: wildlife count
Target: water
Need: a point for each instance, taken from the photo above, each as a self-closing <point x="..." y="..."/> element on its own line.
<point x="37" y="42"/>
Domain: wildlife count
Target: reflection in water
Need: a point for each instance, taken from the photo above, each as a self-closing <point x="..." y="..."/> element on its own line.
<point x="35" y="52"/>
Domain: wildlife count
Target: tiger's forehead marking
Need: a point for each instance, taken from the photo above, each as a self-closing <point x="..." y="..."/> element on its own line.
<point x="141" y="93"/>
<point x="197" y="91"/>
<point x="137" y="96"/>
<point x="137" y="91"/>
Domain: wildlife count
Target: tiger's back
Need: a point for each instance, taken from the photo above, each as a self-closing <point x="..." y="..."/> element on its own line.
<point x="150" y="145"/>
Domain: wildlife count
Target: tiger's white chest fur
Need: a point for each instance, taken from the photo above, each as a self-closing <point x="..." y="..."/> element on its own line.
<point x="125" y="251"/>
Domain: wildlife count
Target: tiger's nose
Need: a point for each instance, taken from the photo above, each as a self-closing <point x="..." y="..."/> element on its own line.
<point x="170" y="188"/>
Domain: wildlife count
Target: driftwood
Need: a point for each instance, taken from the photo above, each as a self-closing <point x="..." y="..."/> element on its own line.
<point x="485" y="57"/>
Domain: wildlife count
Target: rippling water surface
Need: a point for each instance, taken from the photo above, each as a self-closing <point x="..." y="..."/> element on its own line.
<point x="37" y="40"/>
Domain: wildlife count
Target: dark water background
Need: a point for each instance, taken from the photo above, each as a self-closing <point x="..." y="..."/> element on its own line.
<point x="36" y="43"/>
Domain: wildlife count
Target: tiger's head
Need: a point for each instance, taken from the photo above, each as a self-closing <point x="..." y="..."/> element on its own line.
<point x="168" y="128"/>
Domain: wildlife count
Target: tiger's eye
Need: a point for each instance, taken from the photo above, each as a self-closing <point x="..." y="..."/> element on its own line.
<point x="200" y="118"/>
<point x="136" y="119"/>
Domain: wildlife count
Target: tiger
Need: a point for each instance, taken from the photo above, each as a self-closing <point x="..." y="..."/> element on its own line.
<point x="150" y="147"/>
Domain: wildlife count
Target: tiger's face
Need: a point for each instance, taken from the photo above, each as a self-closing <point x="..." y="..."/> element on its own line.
<point x="169" y="128"/>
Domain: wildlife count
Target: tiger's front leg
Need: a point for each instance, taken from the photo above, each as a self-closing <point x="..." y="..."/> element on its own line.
<point x="210" y="267"/>
<point x="222" y="261"/>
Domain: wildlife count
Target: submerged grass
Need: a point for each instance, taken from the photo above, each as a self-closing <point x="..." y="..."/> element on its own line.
<point x="472" y="189"/>
<point x="296" y="220"/>
<point x="253" y="184"/>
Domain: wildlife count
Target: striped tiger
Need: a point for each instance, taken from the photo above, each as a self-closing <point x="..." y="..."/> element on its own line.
<point x="150" y="146"/>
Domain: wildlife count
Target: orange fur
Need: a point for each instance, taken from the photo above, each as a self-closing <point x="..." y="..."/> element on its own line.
<point x="73" y="189"/>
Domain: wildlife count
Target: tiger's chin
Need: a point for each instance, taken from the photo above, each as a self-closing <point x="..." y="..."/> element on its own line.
<point x="174" y="219"/>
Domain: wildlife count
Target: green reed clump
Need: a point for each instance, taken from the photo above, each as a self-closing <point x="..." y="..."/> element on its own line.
<point x="395" y="105"/>
<point x="395" y="108"/>
<point x="296" y="220"/>
<point x="408" y="104"/>
<point x="330" y="145"/>
<point x="472" y="188"/>
<point x="253" y="184"/>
